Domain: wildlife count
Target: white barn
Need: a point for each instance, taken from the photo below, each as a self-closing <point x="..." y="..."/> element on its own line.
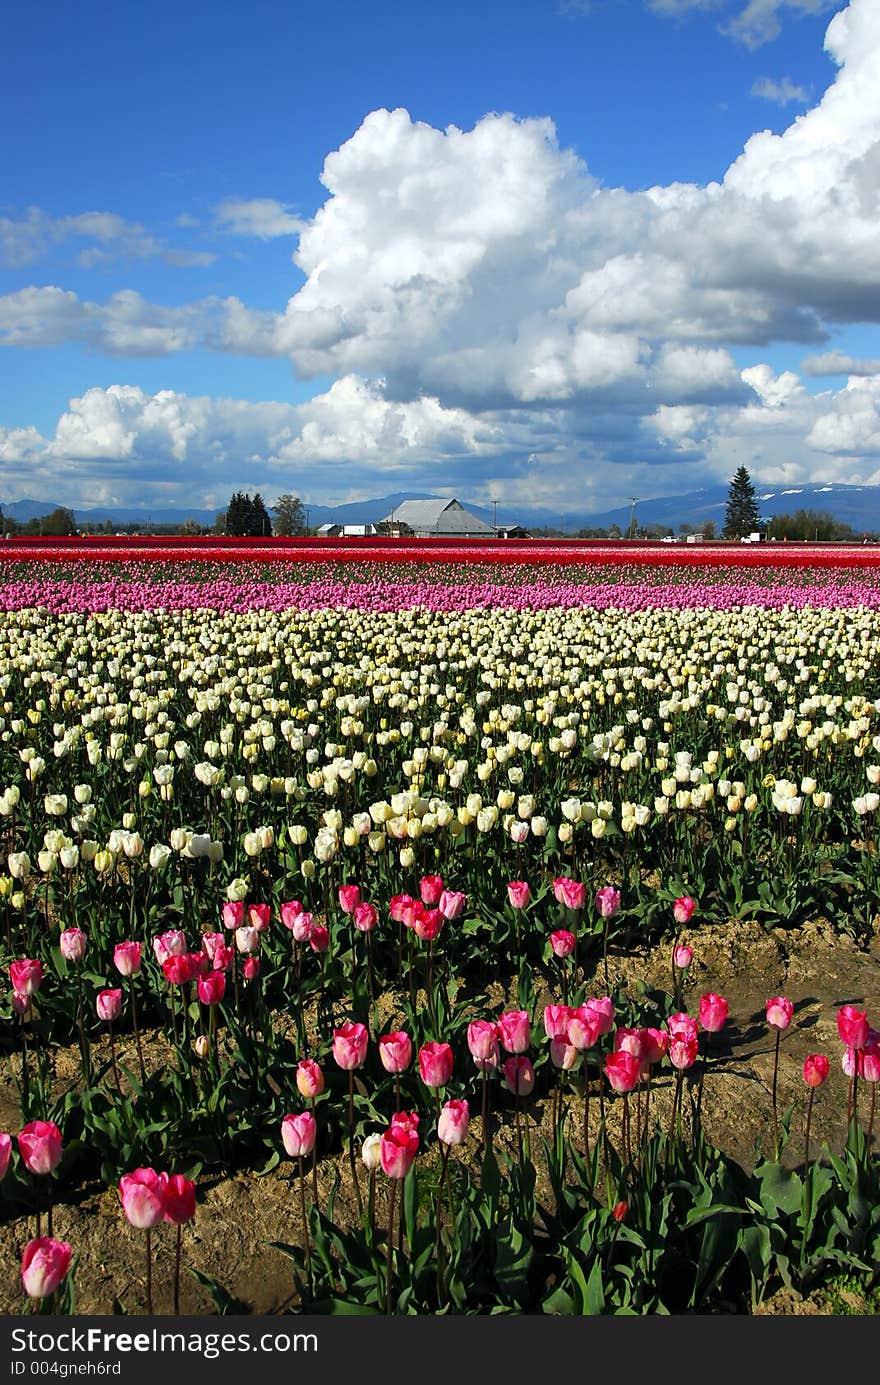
<point x="444" y="519"/>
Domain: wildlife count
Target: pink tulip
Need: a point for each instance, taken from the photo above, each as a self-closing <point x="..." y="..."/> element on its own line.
<point x="143" y="1195"/>
<point x="21" y="1004"/>
<point x="816" y="1069"/>
<point x="44" y="1264"/>
<point x="223" y="958"/>
<point x="233" y="913"/>
<point x="713" y="1012"/>
<point x="395" y="1051"/>
<point x="563" y="1054"/>
<point x="211" y="944"/>
<point x="607" y="901"/>
<point x="430" y="889"/>
<point x="683" y="909"/>
<point x="601" y="1009"/>
<point x="199" y="964"/>
<point x="298" y="1134"/>
<point x="39" y="1145"/>
<point x="629" y="1041"/>
<point x="366" y="916"/>
<point x="452" y="1126"/>
<point x="569" y="892"/>
<point x="349" y="898"/>
<point x="399" y="1145"/>
<point x="212" y="988"/>
<point x="622" y="1070"/>
<point x="779" y="1012"/>
<point x="682" y="1026"/>
<point x="170" y="944"/>
<point x="427" y="924"/>
<point x="482" y="1037"/>
<point x="259" y="916"/>
<point x="519" y="894"/>
<point x="309" y="1078"/>
<point x="583" y="1029"/>
<point x="108" y="1005"/>
<point x="519" y="1075"/>
<point x="869" y="1060"/>
<point x="319" y="939"/>
<point x="655" y="1045"/>
<point x="72" y="943"/>
<point x="556" y="1021"/>
<point x="251" y="968"/>
<point x="411" y="910"/>
<point x="451" y="904"/>
<point x="852" y="1026"/>
<point x="177" y="970"/>
<point x="303" y="928"/>
<point x="682" y="956"/>
<point x="683" y="1049"/>
<point x="26" y="975"/>
<point x="350" y="1045"/>
<point x="290" y="912"/>
<point x="127" y="958"/>
<point x="562" y="942"/>
<point x="435" y="1064"/>
<point x="515" y="1031"/>
<point x="399" y="903"/>
<point x="5" y="1152"/>
<point x="180" y="1199"/>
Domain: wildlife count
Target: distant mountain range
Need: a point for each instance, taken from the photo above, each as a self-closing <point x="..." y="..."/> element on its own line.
<point x="858" y="506"/>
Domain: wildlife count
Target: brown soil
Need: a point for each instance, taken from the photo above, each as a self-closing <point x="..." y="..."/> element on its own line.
<point x="238" y="1216"/>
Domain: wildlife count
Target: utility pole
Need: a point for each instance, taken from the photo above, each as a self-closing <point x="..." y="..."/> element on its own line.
<point x="632" y="516"/>
<point x="308" y="512"/>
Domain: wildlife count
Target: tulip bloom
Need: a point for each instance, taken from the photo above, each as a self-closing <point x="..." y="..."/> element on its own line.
<point x="26" y="975"/>
<point x="713" y="1012"/>
<point x="430" y="889"/>
<point x="349" y="898"/>
<point x="290" y="912"/>
<point x="72" y="943"/>
<point x="852" y="1026"/>
<point x="583" y="1029"/>
<point x="212" y="988"/>
<point x="395" y="1051"/>
<point x="366" y="916"/>
<point x="398" y="1148"/>
<point x="682" y="1026"/>
<point x="482" y="1037"/>
<point x="39" y="1145"/>
<point x="607" y="901"/>
<point x="435" y="1064"/>
<point x="563" y="1055"/>
<point x="452" y="1127"/>
<point x="350" y="1045"/>
<point x="682" y="956"/>
<point x="143" y="1195"/>
<point x="683" y="1049"/>
<point x="816" y="1069"/>
<point x="519" y="894"/>
<point x="601" y="1009"/>
<point x="427" y="924"/>
<point x="623" y="1070"/>
<point x="683" y="909"/>
<point x="319" y="939"/>
<point x="180" y="1199"/>
<point x="514" y="1030"/>
<point x="44" y="1264"/>
<point x="571" y="893"/>
<point x="562" y="943"/>
<point x="451" y="904"/>
<point x="298" y="1134"/>
<point x="108" y="1005"/>
<point x="519" y="1075"/>
<point x="233" y="913"/>
<point x="127" y="958"/>
<point x="5" y="1152"/>
<point x="556" y="1021"/>
<point x="779" y="1012"/>
<point x="309" y="1078"/>
<point x="177" y="970"/>
<point x="398" y="906"/>
<point x="258" y="916"/>
<point x="247" y="939"/>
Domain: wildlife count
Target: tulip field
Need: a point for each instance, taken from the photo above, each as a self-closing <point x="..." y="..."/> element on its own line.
<point x="380" y="879"/>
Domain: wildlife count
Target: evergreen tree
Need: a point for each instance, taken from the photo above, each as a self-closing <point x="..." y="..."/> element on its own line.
<point x="238" y="515"/>
<point x="261" y="524"/>
<point x="742" y="516"/>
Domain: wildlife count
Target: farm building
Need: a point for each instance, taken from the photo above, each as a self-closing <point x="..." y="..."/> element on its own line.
<point x="444" y="519"/>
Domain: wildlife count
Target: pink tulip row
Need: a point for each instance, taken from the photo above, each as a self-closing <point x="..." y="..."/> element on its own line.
<point x="236" y="597"/>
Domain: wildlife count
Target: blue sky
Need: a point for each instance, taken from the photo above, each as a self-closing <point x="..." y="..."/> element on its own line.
<point x="542" y="252"/>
